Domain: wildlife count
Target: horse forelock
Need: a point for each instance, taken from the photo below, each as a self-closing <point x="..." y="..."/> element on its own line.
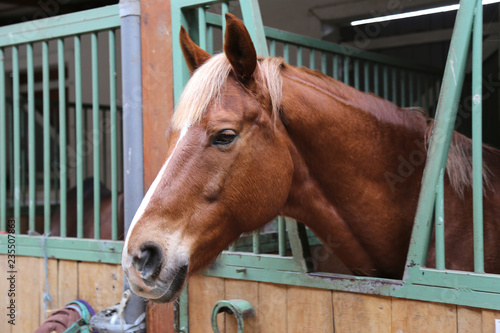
<point x="208" y="81"/>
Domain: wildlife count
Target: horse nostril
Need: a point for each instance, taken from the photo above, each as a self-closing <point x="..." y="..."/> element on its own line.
<point x="149" y="260"/>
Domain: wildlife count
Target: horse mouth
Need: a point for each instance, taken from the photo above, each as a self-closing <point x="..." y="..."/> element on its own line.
<point x="175" y="287"/>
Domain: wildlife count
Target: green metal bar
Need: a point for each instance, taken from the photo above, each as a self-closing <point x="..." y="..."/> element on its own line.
<point x="366" y="72"/>
<point x="323" y="62"/>
<point x="3" y="148"/>
<point x="286" y="52"/>
<point x="336" y="66"/>
<point x="477" y="157"/>
<point x="232" y="247"/>
<point x="31" y="135"/>
<point x="385" y="80"/>
<point x="256" y="241"/>
<point x="419" y="90"/>
<point x="281" y="236"/>
<point x="394" y="86"/>
<point x="346" y="69"/>
<point x="210" y="39"/>
<point x="272" y="48"/>
<point x="96" y="138"/>
<point x="202" y="28"/>
<point x="356" y="74"/>
<point x="439" y="223"/>
<point x="114" y="135"/>
<point x="16" y="139"/>
<point x="61" y="26"/>
<point x="403" y="89"/>
<point x="79" y="138"/>
<point x="46" y="136"/>
<point x="85" y="131"/>
<point x="312" y="59"/>
<point x="224" y="10"/>
<point x="376" y="80"/>
<point x="63" y="184"/>
<point x="253" y="21"/>
<point x="411" y="91"/>
<point x="299" y="56"/>
<point x="442" y="132"/>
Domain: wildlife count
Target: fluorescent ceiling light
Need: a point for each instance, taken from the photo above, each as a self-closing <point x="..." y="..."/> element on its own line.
<point x="415" y="13"/>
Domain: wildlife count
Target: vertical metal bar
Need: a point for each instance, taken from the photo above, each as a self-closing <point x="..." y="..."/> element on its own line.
<point x="299" y="56"/>
<point x="336" y="66"/>
<point x="419" y="91"/>
<point x="256" y="241"/>
<point x="272" y="48"/>
<point x="356" y="73"/>
<point x="63" y="184"/>
<point x="79" y="138"/>
<point x="281" y="236"/>
<point x="376" y="80"/>
<point x="31" y="136"/>
<point x="312" y="59"/>
<point x="232" y="247"/>
<point x="394" y="86"/>
<point x="96" y="138"/>
<point x="323" y="62"/>
<point x="366" y="72"/>
<point x="346" y="69"/>
<point x="286" y="52"/>
<point x="253" y="21"/>
<point x="403" y="88"/>
<point x="16" y="139"/>
<point x="114" y="135"/>
<point x="411" y="90"/>
<point x="225" y="9"/>
<point x="385" y="80"/>
<point x="46" y="136"/>
<point x="210" y="39"/>
<point x="439" y="223"/>
<point x="477" y="157"/>
<point x="202" y="27"/>
<point x="85" y="133"/>
<point x="3" y="148"/>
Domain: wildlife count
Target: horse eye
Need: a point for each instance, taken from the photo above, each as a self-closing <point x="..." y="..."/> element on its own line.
<point x="224" y="137"/>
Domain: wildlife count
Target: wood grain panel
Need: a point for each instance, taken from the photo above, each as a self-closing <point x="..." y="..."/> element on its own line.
<point x="249" y="291"/>
<point x="415" y="316"/>
<point x="204" y="292"/>
<point x="361" y="313"/>
<point x="309" y="310"/>
<point x="272" y="308"/>
<point x="100" y="284"/>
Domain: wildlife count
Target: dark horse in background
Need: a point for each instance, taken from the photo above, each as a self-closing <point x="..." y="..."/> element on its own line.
<point x="253" y="138"/>
<point x="88" y="213"/>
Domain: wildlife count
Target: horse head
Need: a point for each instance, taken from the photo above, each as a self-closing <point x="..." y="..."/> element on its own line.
<point x="228" y="169"/>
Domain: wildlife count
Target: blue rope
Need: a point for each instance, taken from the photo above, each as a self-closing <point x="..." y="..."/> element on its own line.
<point x="46" y="293"/>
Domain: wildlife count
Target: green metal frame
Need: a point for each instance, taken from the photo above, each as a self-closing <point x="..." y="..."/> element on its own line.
<point x="475" y="289"/>
<point x="42" y="31"/>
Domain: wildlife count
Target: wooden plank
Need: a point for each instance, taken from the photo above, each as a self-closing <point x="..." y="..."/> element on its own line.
<point x="99" y="284"/>
<point x="67" y="281"/>
<point x="53" y="287"/>
<point x="28" y="293"/>
<point x="468" y="319"/>
<point x="309" y="310"/>
<point x="160" y="318"/>
<point x="272" y="308"/>
<point x="488" y="318"/>
<point x="361" y="313"/>
<point x="249" y="291"/>
<point x="4" y="298"/>
<point x="415" y="316"/>
<point x="204" y="292"/>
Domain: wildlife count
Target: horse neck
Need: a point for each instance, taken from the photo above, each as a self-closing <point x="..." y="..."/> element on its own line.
<point x="343" y="153"/>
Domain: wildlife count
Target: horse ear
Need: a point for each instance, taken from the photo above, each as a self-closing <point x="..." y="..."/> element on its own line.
<point x="239" y="48"/>
<point x="194" y="55"/>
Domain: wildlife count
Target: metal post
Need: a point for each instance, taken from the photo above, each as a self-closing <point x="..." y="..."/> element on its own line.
<point x="132" y="128"/>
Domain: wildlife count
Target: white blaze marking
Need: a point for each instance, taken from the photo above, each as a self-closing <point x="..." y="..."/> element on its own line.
<point x="149" y="194"/>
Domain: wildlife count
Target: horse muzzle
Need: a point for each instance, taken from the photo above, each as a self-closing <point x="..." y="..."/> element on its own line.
<point x="151" y="276"/>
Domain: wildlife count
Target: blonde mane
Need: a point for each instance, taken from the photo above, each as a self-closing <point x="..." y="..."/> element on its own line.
<point x="207" y="83"/>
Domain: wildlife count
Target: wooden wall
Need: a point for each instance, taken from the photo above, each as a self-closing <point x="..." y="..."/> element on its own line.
<point x="290" y="309"/>
<point x="98" y="284"/>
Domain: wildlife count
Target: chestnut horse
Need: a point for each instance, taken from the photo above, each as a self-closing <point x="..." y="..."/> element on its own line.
<point x="253" y="138"/>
